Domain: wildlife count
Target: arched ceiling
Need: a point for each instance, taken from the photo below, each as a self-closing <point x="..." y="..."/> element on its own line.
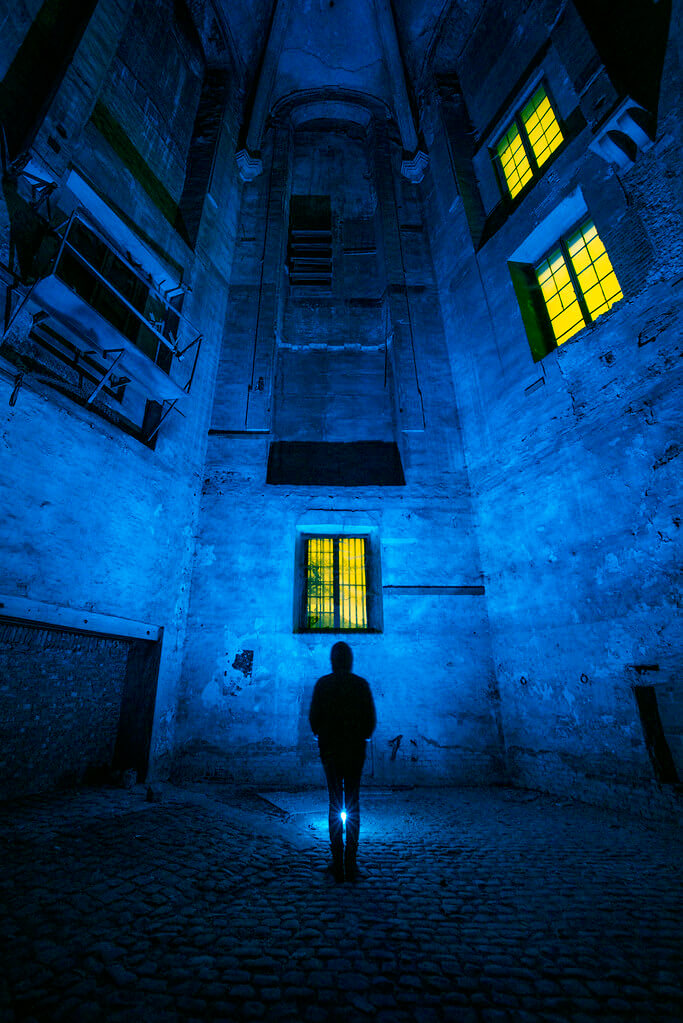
<point x="419" y="21"/>
<point x="369" y="51"/>
<point x="330" y="45"/>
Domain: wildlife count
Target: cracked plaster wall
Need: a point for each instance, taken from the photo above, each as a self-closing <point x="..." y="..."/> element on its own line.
<point x="248" y="675"/>
<point x="325" y="48"/>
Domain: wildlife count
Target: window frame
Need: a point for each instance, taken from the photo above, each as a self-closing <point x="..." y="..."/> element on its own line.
<point x="516" y="120"/>
<point x="373" y="587"/>
<point x="533" y="308"/>
<point x="562" y="244"/>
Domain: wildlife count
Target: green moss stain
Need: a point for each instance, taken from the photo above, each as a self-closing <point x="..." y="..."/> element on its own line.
<point x="117" y="138"/>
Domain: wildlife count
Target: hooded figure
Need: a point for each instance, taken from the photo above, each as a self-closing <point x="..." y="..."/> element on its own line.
<point x="342" y="715"/>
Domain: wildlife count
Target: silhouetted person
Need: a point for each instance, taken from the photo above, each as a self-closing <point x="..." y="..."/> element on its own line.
<point x="342" y="715"/>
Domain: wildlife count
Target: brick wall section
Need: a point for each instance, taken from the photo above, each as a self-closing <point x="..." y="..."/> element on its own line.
<point x="153" y="89"/>
<point x="60" y="701"/>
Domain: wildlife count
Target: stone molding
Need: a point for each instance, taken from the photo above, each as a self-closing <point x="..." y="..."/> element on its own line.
<point x="249" y="166"/>
<point x="38" y="612"/>
<point x="414" y="168"/>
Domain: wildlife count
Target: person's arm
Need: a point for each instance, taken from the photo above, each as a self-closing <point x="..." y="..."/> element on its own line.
<point x="373" y="713"/>
<point x="314" y="714"/>
<point x="370" y="715"/>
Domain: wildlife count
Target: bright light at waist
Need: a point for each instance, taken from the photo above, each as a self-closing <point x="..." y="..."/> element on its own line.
<point x="343" y="815"/>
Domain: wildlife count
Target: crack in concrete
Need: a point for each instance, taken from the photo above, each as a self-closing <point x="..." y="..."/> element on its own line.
<point x="333" y="67"/>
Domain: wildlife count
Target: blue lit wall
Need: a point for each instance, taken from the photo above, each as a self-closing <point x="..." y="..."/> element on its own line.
<point x="570" y="458"/>
<point x="248" y="673"/>
<point x="528" y="563"/>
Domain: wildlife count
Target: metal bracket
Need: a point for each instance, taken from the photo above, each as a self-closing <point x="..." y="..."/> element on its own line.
<point x="18" y="380"/>
<point x="11" y="317"/>
<point x="170" y="408"/>
<point x="121" y="353"/>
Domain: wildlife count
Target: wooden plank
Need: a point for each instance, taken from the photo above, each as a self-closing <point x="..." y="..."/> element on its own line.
<point x="37" y="612"/>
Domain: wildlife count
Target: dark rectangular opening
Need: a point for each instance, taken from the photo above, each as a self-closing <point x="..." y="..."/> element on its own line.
<point x="366" y="463"/>
<point x="310" y="241"/>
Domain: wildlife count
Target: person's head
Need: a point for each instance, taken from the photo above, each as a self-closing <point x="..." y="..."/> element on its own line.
<point x="341" y="657"/>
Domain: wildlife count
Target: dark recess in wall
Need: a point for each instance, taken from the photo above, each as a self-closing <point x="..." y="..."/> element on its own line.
<point x="134" y="734"/>
<point x="366" y="463"/>
<point x="39" y="66"/>
<point x="309" y="255"/>
<point x="202" y="152"/>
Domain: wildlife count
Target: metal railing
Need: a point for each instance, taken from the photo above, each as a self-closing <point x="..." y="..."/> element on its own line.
<point x="159" y="331"/>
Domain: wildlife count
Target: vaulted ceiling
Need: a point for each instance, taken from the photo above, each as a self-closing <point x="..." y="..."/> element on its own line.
<point x="332" y="45"/>
<point x="341" y="44"/>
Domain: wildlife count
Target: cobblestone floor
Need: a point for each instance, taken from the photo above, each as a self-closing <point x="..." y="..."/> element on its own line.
<point x="476" y="906"/>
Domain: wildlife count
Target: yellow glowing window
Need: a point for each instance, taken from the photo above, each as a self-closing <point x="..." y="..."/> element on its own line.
<point x="541" y="126"/>
<point x="577" y="282"/>
<point x="559" y="296"/>
<point x="597" y="280"/>
<point x="532" y="137"/>
<point x="336" y="588"/>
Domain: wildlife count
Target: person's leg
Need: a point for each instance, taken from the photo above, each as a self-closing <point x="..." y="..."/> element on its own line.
<point x="353" y="768"/>
<point x="335" y="782"/>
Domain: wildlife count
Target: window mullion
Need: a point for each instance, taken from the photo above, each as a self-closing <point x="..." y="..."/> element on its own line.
<point x="575" y="281"/>
<point x="305" y="596"/>
<point x="528" y="148"/>
<point x="335" y="583"/>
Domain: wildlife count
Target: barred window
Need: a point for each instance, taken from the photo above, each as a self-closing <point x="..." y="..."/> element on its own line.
<point x="336" y="587"/>
<point x="528" y="142"/>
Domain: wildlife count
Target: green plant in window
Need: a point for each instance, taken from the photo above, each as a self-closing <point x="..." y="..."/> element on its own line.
<point x="336" y="587"/>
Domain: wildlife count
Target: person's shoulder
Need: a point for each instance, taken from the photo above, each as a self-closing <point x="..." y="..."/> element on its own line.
<point x="360" y="681"/>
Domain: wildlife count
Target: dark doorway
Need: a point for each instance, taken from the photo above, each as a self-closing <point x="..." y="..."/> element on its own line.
<point x="134" y="733"/>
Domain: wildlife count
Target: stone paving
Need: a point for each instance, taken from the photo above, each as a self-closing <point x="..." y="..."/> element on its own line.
<point x="477" y="906"/>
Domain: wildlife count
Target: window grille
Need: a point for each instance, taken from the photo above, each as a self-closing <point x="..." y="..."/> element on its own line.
<point x="336" y="583"/>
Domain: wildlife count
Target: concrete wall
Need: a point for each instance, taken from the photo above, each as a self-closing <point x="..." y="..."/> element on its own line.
<point x="248" y="673"/>
<point x="572" y="459"/>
